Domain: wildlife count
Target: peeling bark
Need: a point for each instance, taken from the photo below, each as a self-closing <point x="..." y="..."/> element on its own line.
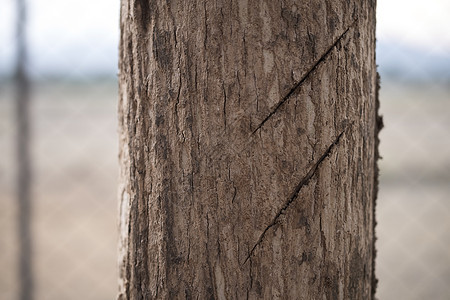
<point x="248" y="146"/>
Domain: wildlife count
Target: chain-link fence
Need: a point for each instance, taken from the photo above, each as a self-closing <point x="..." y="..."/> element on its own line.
<point x="413" y="209"/>
<point x="72" y="59"/>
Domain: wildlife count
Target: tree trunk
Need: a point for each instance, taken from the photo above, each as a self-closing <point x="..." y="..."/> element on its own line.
<point x="248" y="135"/>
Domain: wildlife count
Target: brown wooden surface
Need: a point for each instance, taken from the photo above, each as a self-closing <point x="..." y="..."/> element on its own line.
<point x="247" y="149"/>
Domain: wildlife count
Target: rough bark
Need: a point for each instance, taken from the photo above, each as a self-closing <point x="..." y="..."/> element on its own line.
<point x="247" y="149"/>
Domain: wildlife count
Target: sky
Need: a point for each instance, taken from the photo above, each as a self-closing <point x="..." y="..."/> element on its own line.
<point x="421" y="24"/>
<point x="413" y="39"/>
<point x="81" y="36"/>
<point x="76" y="36"/>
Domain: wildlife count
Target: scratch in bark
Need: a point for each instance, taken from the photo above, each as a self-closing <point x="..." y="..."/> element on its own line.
<point x="304" y="78"/>
<point x="305" y="180"/>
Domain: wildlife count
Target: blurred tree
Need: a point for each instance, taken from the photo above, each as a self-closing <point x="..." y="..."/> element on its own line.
<point x="248" y="137"/>
<point x="23" y="157"/>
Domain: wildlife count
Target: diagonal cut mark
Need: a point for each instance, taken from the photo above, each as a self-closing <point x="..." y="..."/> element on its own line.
<point x="305" y="180"/>
<point x="304" y="77"/>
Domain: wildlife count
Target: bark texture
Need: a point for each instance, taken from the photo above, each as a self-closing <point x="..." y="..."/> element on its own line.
<point x="247" y="149"/>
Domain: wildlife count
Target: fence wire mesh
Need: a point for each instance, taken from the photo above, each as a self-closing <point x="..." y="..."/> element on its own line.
<point x="72" y="50"/>
<point x="413" y="209"/>
<point x="74" y="154"/>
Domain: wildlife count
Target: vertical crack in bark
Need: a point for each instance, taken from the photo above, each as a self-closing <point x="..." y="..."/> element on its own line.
<point x="178" y="99"/>
<point x="249" y="288"/>
<point x="256" y="91"/>
<point x="212" y="290"/>
<point x="206" y="26"/>
<point x="323" y="240"/>
<point x="224" y="106"/>
<point x="234" y="193"/>
<point x="304" y="78"/>
<point x="305" y="180"/>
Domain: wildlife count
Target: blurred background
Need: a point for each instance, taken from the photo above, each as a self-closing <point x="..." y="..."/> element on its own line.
<point x="67" y="216"/>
